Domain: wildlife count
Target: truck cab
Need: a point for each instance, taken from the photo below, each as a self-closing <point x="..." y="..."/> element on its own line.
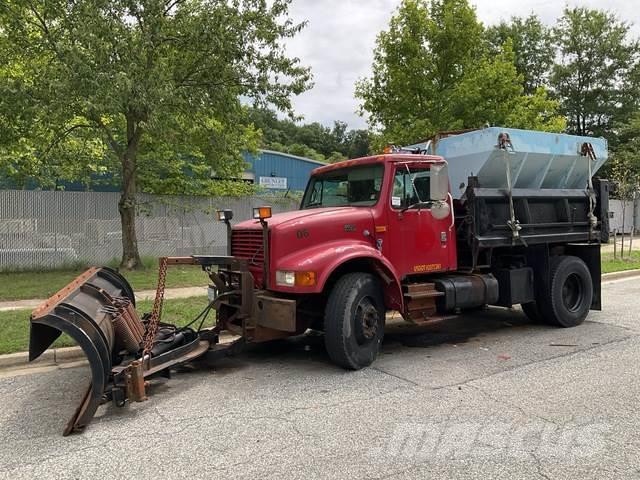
<point x="412" y="221"/>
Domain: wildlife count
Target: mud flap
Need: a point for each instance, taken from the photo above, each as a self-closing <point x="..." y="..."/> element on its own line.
<point x="80" y="311"/>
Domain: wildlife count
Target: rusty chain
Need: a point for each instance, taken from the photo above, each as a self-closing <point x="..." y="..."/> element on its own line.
<point x="154" y="318"/>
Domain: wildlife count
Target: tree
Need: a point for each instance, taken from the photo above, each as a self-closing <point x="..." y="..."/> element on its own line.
<point x="417" y="63"/>
<point x="313" y="140"/>
<point x="532" y="46"/>
<point x="336" y="157"/>
<point x="597" y="77"/>
<point x="493" y="92"/>
<point x="431" y="73"/>
<point x="153" y="86"/>
<point x="624" y="166"/>
<point x="357" y="143"/>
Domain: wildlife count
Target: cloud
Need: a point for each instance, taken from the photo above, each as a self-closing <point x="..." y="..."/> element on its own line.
<point x="338" y="46"/>
<point x="339" y="40"/>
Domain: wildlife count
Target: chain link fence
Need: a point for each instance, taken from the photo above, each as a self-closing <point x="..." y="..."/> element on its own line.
<point x="52" y="229"/>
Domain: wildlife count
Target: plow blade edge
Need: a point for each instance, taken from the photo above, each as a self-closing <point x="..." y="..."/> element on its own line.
<point x="81" y="310"/>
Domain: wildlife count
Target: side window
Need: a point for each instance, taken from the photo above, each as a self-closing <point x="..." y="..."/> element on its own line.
<point x="410" y="187"/>
<point x="398" y="196"/>
<point x="316" y="194"/>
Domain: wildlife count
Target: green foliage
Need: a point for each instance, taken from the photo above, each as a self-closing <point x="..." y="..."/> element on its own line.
<point x="624" y="166"/>
<point x="148" y="88"/>
<point x="311" y="140"/>
<point x="431" y="73"/>
<point x="597" y="79"/>
<point x="417" y="64"/>
<point x="533" y="49"/>
<point x="85" y="79"/>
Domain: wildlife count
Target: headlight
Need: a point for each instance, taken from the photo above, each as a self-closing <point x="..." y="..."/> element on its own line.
<point x="298" y="279"/>
<point x="286" y="279"/>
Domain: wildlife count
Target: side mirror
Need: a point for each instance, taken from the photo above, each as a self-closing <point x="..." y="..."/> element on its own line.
<point x="440" y="210"/>
<point x="439" y="182"/>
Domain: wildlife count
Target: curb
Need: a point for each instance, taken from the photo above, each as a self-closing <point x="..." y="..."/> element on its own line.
<point x="608" y="277"/>
<point x="53" y="356"/>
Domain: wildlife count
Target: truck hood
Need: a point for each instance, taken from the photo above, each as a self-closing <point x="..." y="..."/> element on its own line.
<point x="299" y="239"/>
<point x="303" y="217"/>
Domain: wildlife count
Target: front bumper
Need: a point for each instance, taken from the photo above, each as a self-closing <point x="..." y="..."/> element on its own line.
<point x="257" y="315"/>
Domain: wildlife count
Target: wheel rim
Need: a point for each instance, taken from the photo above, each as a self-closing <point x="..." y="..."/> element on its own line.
<point x="366" y="321"/>
<point x="573" y="293"/>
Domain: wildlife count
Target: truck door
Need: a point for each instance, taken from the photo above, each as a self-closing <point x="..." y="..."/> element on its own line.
<point x="418" y="243"/>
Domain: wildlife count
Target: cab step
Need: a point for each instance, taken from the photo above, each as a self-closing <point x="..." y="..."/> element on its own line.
<point x="420" y="301"/>
<point x="419" y="287"/>
<point x="420" y="295"/>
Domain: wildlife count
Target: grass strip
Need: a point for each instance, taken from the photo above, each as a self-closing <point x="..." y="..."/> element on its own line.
<point x="14" y="324"/>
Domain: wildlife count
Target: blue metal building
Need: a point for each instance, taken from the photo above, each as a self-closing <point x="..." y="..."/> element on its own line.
<point x="275" y="171"/>
<point x="279" y="171"/>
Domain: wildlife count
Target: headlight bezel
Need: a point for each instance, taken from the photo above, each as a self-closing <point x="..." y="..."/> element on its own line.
<point x="291" y="278"/>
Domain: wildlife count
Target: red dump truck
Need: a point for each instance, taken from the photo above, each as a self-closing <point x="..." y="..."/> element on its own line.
<point x="488" y="217"/>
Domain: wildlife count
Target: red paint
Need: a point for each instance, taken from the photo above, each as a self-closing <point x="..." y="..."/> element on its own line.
<point x="317" y="239"/>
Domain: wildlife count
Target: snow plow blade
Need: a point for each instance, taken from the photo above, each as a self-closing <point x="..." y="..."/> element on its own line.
<point x="78" y="311"/>
<point x="97" y="310"/>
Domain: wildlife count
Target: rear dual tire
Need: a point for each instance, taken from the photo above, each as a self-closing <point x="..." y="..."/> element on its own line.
<point x="566" y="300"/>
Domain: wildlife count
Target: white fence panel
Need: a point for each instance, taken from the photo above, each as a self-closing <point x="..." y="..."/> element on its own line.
<point x="49" y="229"/>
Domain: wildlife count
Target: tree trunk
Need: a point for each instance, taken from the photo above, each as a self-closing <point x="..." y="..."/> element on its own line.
<point x="127" y="204"/>
<point x="633" y="224"/>
<point x="624" y="206"/>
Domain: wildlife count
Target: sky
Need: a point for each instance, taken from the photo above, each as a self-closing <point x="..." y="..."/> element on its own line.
<point x="339" y="39"/>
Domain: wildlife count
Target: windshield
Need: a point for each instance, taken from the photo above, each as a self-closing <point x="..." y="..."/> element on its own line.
<point x="356" y="186"/>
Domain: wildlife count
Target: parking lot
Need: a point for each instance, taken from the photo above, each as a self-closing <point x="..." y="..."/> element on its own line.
<point x="487" y="395"/>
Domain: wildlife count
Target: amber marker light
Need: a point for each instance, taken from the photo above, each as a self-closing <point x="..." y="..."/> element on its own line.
<point x="305" y="279"/>
<point x="262" y="213"/>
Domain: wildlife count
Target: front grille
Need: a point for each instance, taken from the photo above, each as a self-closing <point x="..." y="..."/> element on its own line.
<point x="247" y="244"/>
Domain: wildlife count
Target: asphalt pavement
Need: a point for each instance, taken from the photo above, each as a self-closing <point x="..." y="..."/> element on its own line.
<point x="487" y="395"/>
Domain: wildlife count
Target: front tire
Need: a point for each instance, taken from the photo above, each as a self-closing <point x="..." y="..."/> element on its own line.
<point x="566" y="300"/>
<point x="354" y="321"/>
